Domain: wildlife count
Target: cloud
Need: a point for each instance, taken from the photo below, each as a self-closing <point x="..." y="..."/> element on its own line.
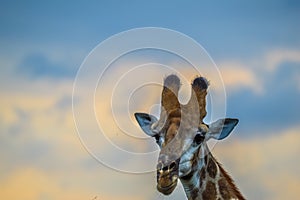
<point x="238" y="76"/>
<point x="32" y="183"/>
<point x="275" y="58"/>
<point x="41" y="149"/>
<point x="275" y="109"/>
<point x="40" y="140"/>
<point x="264" y="167"/>
<point x="28" y="183"/>
<point x="256" y="74"/>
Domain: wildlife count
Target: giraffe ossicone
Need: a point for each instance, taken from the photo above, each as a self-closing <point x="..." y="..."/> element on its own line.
<point x="182" y="137"/>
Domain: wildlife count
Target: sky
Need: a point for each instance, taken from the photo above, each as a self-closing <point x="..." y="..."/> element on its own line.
<point x="254" y="44"/>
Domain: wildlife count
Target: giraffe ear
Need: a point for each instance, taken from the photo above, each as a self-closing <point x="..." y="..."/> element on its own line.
<point x="221" y="128"/>
<point x="145" y="121"/>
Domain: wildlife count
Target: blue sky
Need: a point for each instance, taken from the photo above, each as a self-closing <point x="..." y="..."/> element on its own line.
<point x="255" y="44"/>
<point x="227" y="30"/>
<point x="247" y="26"/>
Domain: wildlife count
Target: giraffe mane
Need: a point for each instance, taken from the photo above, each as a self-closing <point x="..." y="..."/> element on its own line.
<point x="230" y="181"/>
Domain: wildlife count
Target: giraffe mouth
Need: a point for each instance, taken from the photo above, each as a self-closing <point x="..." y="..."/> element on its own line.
<point x="166" y="190"/>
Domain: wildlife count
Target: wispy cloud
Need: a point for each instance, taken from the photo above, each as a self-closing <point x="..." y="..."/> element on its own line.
<point x="274" y="58"/>
<point x="38" y="133"/>
<point x="238" y="76"/>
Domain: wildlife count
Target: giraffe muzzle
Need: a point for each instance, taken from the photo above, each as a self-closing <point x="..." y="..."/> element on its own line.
<point x="167" y="177"/>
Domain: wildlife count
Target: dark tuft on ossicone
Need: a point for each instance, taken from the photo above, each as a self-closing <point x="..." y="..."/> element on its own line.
<point x="172" y="81"/>
<point x="200" y="82"/>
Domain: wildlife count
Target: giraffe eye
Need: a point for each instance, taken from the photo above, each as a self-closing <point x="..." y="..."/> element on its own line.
<point x="156" y="138"/>
<point x="198" y="139"/>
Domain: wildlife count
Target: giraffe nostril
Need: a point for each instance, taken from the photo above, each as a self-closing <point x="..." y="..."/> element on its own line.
<point x="165" y="168"/>
<point x="172" y="166"/>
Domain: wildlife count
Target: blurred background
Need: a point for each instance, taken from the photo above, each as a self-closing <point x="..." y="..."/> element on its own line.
<point x="256" y="46"/>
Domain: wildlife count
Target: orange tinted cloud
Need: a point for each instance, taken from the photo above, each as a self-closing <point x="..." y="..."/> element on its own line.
<point x="258" y="165"/>
<point x="31" y="183"/>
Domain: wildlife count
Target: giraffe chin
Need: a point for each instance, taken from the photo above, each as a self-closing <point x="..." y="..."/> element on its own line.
<point x="167" y="190"/>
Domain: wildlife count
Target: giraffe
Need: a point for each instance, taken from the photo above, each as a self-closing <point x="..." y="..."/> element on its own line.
<point x="182" y="137"/>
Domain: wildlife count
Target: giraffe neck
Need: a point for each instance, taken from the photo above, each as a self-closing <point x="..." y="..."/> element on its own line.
<point x="208" y="180"/>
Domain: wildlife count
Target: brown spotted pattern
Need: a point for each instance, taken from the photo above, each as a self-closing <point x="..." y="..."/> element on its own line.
<point x="214" y="183"/>
<point x="212" y="168"/>
<point x="210" y="191"/>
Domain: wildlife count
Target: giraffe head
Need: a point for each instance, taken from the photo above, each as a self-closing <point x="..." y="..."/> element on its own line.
<point x="180" y="131"/>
